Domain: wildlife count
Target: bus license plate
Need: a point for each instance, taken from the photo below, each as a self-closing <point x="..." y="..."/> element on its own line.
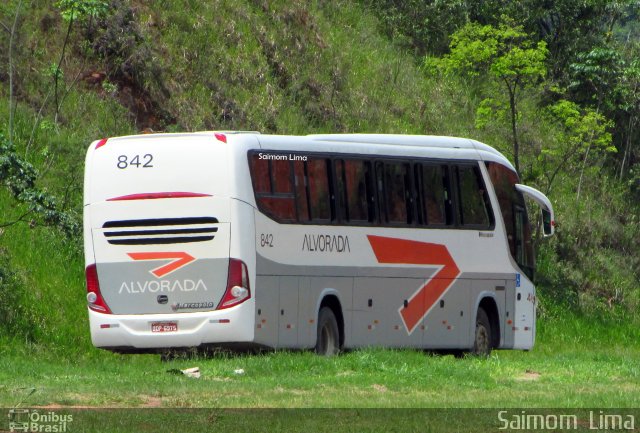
<point x="164" y="327"/>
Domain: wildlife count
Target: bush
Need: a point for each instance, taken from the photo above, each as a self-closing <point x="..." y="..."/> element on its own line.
<point x="16" y="319"/>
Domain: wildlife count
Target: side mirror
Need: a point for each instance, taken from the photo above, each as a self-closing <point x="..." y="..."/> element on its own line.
<point x="548" y="218"/>
<point x="547" y="224"/>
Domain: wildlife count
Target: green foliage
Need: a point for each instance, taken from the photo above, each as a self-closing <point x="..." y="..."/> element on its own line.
<point x="113" y="39"/>
<point x="629" y="87"/>
<point x="78" y="10"/>
<point x="109" y="87"/>
<point x="521" y="64"/>
<point x="492" y="111"/>
<point x="53" y="71"/>
<point x="594" y="76"/>
<point x="593" y="264"/>
<point x="507" y="55"/>
<point x="15" y="317"/>
<point x="581" y="127"/>
<point x="582" y="136"/>
<point x="506" y="52"/>
<point x="422" y="25"/>
<point x="19" y="176"/>
<point x="583" y="56"/>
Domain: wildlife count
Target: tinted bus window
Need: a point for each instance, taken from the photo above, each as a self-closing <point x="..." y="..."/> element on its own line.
<point x="474" y="207"/>
<point x="260" y="175"/>
<point x="512" y="208"/>
<point x="273" y="187"/>
<point x="433" y="194"/>
<point x="281" y="176"/>
<point x="341" y="195"/>
<point x="394" y="189"/>
<point x="318" y="181"/>
<point x="300" y="185"/>
<point x="357" y="190"/>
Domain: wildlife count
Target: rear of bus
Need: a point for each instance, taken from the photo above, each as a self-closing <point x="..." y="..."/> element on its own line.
<point x="161" y="268"/>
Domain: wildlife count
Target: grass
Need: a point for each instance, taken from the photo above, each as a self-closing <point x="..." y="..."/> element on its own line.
<point x="564" y="370"/>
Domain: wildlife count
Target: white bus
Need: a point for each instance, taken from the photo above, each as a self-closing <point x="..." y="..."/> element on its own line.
<point x="320" y="241"/>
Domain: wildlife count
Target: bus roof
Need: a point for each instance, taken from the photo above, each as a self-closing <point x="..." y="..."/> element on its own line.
<point x="414" y="145"/>
<point x="419" y="145"/>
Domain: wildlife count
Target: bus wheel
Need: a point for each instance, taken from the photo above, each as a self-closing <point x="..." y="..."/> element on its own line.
<point x="328" y="341"/>
<point x="482" y="341"/>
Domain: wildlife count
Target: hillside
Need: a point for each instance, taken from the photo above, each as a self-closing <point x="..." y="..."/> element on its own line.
<point x="75" y="71"/>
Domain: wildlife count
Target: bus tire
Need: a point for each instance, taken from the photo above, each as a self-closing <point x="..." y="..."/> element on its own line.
<point x="482" y="339"/>
<point x="328" y="338"/>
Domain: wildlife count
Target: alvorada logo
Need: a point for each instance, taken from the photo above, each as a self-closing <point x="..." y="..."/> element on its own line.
<point x="178" y="259"/>
<point x="32" y="420"/>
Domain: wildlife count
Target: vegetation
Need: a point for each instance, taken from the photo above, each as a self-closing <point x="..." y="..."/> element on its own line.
<point x="553" y="85"/>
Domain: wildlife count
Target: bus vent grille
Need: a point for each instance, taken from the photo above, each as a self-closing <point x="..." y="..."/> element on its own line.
<point x="160" y="231"/>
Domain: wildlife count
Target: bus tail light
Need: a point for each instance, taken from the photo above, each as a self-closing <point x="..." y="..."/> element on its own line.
<point x="238" y="289"/>
<point x="94" y="297"/>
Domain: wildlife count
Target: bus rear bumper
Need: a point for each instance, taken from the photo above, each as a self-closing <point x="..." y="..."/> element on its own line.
<point x="192" y="329"/>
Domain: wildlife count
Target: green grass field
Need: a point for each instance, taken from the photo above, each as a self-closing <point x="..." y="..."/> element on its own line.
<point x="576" y="364"/>
<point x="585" y="364"/>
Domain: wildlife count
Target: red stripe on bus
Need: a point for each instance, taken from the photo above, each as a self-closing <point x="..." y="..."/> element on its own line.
<point x="157" y="195"/>
<point x="403" y="251"/>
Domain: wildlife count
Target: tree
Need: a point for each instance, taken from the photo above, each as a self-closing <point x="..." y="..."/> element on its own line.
<point x="504" y="54"/>
<point x="422" y="25"/>
<point x="12" y="36"/>
<point x="629" y="90"/>
<point x="581" y="131"/>
<point x="71" y="11"/>
<point x="594" y="77"/>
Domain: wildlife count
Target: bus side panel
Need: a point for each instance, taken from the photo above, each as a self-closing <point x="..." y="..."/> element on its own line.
<point x="446" y="323"/>
<point x="377" y="304"/>
<point x="307" y="316"/>
<point x="525" y="315"/>
<point x="510" y="310"/>
<point x="267" y="301"/>
<point x="288" y="315"/>
<point x="287" y="308"/>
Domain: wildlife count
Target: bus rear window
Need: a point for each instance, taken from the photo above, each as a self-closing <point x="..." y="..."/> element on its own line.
<point x="272" y="183"/>
<point x="281" y="177"/>
<point x="261" y="176"/>
<point x="292" y="191"/>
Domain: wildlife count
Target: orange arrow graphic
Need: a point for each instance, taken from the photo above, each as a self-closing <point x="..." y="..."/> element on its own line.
<point x="180" y="259"/>
<point x="391" y="250"/>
